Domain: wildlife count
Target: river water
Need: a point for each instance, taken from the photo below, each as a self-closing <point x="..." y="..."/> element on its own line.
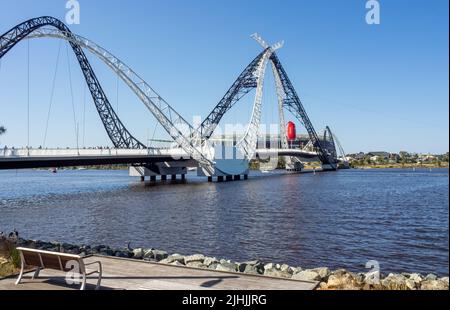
<point x="335" y="219"/>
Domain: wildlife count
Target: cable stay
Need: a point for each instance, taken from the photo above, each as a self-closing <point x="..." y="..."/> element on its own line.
<point x="52" y="95"/>
<point x="116" y="131"/>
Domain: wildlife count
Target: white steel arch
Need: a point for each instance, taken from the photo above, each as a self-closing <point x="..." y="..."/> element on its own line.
<point x="183" y="133"/>
<point x="177" y="127"/>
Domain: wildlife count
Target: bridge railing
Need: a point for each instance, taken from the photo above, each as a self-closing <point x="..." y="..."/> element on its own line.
<point x="24" y="152"/>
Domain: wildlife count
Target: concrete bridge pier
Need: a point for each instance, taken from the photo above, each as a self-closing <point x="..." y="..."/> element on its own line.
<point x="228" y="178"/>
<point x="163" y="172"/>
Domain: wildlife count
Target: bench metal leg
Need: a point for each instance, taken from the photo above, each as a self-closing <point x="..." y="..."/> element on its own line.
<point x="83" y="284"/>
<point x="99" y="271"/>
<point x="21" y="273"/>
<point x="36" y="273"/>
<point x="99" y="276"/>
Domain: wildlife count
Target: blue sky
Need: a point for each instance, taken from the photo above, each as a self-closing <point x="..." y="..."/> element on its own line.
<point x="379" y="87"/>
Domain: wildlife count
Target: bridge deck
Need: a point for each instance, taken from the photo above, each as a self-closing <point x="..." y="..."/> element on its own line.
<point x="125" y="274"/>
<point x="43" y="158"/>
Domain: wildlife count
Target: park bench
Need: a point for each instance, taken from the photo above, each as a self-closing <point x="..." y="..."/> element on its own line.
<point x="57" y="261"/>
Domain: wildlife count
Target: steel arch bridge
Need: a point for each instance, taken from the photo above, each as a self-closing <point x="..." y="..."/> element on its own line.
<point x="195" y="142"/>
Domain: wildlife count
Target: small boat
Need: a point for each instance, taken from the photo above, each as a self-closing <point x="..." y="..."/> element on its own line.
<point x="53" y="170"/>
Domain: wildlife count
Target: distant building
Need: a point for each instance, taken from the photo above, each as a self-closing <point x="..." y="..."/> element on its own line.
<point x="383" y="155"/>
<point x="427" y="157"/>
<point x="358" y="156"/>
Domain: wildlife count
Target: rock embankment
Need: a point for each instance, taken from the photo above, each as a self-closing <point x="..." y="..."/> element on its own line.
<point x="328" y="279"/>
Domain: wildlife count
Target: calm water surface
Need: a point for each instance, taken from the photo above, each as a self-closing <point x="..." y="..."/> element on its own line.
<point x="337" y="219"/>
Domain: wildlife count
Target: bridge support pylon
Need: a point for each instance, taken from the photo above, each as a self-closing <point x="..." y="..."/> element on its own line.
<point x="328" y="167"/>
<point x="294" y="166"/>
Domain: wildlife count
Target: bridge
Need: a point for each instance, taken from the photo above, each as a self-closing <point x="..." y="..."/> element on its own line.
<point x="191" y="147"/>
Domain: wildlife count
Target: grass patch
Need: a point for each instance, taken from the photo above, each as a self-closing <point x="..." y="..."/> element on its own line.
<point x="7" y="268"/>
<point x="15" y="258"/>
<point x="10" y="265"/>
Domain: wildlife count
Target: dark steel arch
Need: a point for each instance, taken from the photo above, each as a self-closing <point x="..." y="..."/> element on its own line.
<point x="119" y="135"/>
<point x="330" y="143"/>
<point x="245" y="83"/>
<point x="242" y="86"/>
<point x="293" y="104"/>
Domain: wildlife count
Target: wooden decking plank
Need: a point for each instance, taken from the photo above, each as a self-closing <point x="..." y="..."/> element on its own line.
<point x="139" y="275"/>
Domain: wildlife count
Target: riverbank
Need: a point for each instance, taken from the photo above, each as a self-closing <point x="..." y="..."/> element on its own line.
<point x="401" y="166"/>
<point x="340" y="279"/>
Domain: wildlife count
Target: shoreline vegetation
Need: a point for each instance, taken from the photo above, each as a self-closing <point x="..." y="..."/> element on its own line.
<point x="401" y="166"/>
<point x="340" y="279"/>
<point x="307" y="167"/>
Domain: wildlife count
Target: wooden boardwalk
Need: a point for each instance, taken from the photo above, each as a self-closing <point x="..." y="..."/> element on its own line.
<point x="125" y="274"/>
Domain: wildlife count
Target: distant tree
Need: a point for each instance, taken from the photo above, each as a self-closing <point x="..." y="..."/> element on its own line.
<point x="2" y="130"/>
<point x="445" y="157"/>
<point x="381" y="160"/>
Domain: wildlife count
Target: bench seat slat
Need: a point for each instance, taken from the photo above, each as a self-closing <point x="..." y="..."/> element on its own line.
<point x="56" y="261"/>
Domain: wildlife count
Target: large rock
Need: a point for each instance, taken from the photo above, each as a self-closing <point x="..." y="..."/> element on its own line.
<point x="157" y="255"/>
<point x="160" y="255"/>
<point x="251" y="262"/>
<point x="123" y="254"/>
<point x="296" y="269"/>
<point x="226" y="266"/>
<point x="252" y="267"/>
<point x="433" y="285"/>
<point x="410" y="284"/>
<point x="173" y="258"/>
<point x="208" y="261"/>
<point x="108" y="252"/>
<point x="417" y="278"/>
<point x="196" y="264"/>
<point x="307" y="275"/>
<point x="395" y="282"/>
<point x="323" y="272"/>
<point x="148" y="253"/>
<point x="287" y="269"/>
<point x="278" y="273"/>
<point x="138" y="253"/>
<point x="269" y="266"/>
<point x="213" y="266"/>
<point x="194" y="258"/>
<point x="342" y="280"/>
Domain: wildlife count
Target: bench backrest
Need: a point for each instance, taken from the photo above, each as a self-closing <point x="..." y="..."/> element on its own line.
<point x="49" y="260"/>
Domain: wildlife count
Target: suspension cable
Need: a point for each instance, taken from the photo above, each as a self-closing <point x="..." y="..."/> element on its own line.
<point x="28" y="97"/>
<point x="153" y="136"/>
<point x="84" y="114"/>
<point x="117" y="93"/>
<point x="71" y="93"/>
<point x="52" y="94"/>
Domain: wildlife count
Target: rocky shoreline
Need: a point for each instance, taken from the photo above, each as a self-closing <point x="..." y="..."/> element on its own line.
<point x="328" y="279"/>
